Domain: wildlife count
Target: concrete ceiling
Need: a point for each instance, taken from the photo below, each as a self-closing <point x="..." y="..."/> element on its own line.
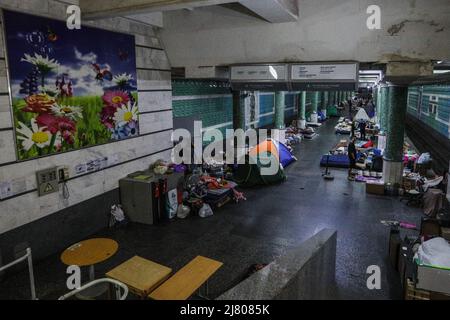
<point x="274" y="11"/>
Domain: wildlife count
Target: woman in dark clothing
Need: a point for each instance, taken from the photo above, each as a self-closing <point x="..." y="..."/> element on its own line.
<point x="362" y="130"/>
<point x="351" y="150"/>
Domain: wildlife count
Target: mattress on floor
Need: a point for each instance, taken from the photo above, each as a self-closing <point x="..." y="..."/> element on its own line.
<point x="342" y="131"/>
<point x="335" y="161"/>
<point x="310" y="136"/>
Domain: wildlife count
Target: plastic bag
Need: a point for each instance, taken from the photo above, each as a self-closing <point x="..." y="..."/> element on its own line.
<point x="183" y="211"/>
<point x="117" y="215"/>
<point x="435" y="252"/>
<point x="172" y="203"/>
<point x="424" y="158"/>
<point x="205" y="211"/>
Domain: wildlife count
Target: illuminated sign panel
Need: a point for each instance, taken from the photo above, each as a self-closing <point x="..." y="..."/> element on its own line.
<point x="259" y="73"/>
<point x="324" y="76"/>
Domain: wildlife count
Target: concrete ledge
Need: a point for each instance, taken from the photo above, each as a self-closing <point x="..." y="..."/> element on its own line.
<point x="305" y="272"/>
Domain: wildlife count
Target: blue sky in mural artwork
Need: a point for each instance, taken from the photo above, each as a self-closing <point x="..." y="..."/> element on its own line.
<point x="75" y="50"/>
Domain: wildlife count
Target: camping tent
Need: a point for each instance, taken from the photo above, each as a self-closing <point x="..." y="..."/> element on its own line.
<point x="278" y="149"/>
<point x="361" y="115"/>
<point x="261" y="157"/>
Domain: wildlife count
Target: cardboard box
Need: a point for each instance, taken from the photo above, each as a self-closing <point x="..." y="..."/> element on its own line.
<point x="433" y="279"/>
<point x="375" y="187"/>
<point x="445" y="233"/>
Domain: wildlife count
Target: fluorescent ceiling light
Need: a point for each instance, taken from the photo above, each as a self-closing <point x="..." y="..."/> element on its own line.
<point x="273" y="72"/>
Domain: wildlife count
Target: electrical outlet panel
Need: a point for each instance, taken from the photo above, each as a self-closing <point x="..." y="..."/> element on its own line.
<point x="47" y="181"/>
<point x="63" y="173"/>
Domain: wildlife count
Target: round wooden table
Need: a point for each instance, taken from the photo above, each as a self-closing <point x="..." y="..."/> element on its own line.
<point x="89" y="252"/>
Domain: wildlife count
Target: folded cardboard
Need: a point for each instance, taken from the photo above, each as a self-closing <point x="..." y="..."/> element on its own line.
<point x="433" y="279"/>
<point x="375" y="187"/>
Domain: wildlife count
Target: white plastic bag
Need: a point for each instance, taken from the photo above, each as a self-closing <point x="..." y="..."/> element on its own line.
<point x="172" y="203"/>
<point x="205" y="211"/>
<point x="117" y="215"/>
<point x="424" y="158"/>
<point x="183" y="211"/>
<point x="435" y="252"/>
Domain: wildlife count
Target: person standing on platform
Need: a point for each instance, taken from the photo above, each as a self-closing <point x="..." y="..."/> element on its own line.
<point x="351" y="151"/>
<point x="362" y="130"/>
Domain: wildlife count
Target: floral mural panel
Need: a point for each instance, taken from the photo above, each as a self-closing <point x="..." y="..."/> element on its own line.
<point x="70" y="89"/>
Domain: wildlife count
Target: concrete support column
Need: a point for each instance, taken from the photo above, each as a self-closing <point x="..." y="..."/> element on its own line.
<point x="279" y="109"/>
<point x="395" y="123"/>
<point x="238" y="110"/>
<point x="325" y="102"/>
<point x="383" y="100"/>
<point x="302" y="110"/>
<point x="331" y="98"/>
<point x="376" y="101"/>
<point x="315" y="105"/>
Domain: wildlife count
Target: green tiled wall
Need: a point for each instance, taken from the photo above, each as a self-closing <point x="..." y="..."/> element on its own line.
<point x="420" y="109"/>
<point x="214" y="111"/>
<point x="199" y="87"/>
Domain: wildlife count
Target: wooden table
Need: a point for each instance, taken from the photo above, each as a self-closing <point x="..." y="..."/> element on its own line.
<point x="89" y="252"/>
<point x="187" y="280"/>
<point x="141" y="276"/>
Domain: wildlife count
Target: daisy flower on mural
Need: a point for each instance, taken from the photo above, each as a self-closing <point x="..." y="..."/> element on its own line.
<point x="52" y="92"/>
<point x="122" y="79"/>
<point x="38" y="136"/>
<point x="115" y="98"/>
<point x="43" y="64"/>
<point x="71" y="112"/>
<point x="126" y="113"/>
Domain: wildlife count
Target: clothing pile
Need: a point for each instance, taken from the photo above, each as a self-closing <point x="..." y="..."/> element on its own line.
<point x="344" y="126"/>
<point x="321" y="117"/>
<point x="308" y="133"/>
<point x="293" y="135"/>
<point x="203" y="193"/>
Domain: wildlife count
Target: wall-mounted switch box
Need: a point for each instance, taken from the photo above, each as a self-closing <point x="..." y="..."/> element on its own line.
<point x="63" y="173"/>
<point x="47" y="181"/>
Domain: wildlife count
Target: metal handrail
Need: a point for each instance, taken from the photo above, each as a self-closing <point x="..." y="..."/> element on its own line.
<point x="116" y="284"/>
<point x="29" y="259"/>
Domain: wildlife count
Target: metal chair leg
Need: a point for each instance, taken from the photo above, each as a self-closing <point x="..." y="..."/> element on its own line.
<point x="205" y="287"/>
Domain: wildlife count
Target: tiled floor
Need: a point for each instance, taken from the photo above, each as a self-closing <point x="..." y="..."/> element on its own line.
<point x="273" y="219"/>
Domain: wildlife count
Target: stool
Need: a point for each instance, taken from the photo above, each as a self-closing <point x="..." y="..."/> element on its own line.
<point x="142" y="276"/>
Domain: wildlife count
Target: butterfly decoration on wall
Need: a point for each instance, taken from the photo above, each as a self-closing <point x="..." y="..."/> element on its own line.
<point x="51" y="35"/>
<point x="123" y="55"/>
<point x="101" y="74"/>
<point x="42" y="41"/>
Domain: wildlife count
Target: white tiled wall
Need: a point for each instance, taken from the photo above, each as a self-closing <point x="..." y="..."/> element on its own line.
<point x="124" y="156"/>
<point x="154" y="101"/>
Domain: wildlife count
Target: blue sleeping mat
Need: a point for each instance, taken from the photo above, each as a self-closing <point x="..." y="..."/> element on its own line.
<point x="336" y="161"/>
